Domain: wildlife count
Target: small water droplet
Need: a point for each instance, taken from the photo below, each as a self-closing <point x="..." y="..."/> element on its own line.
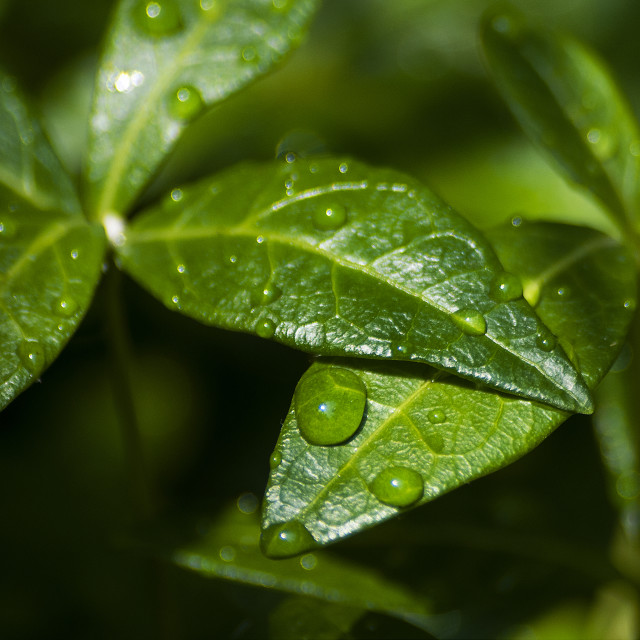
<point x="265" y="328"/>
<point x="74" y="254"/>
<point x="176" y="195"/>
<point x="506" y="287"/>
<point x="161" y="18"/>
<point x="275" y="459"/>
<point x="175" y="299"/>
<point x="31" y="355"/>
<point x="65" y="307"/>
<point x="247" y="503"/>
<point x="629" y="304"/>
<point x="233" y="259"/>
<point x="546" y="341"/>
<point x="290" y="158"/>
<point x="260" y="239"/>
<point x="327" y="218"/>
<point x="249" y="54"/>
<point x="185" y="103"/>
<point x="437" y="416"/>
<point x="604" y="145"/>
<point x="7" y="229"/>
<point x="470" y="321"/>
<point x="181" y="268"/>
<point x="329" y="405"/>
<point x="286" y="539"/>
<point x="562" y="292"/>
<point x="265" y="295"/>
<point x="309" y="561"/>
<point x="516" y="221"/>
<point x="400" y="350"/>
<point x="343" y="167"/>
<point x="227" y="553"/>
<point x="398" y="486"/>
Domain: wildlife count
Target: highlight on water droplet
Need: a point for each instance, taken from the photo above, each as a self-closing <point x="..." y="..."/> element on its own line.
<point x="65" y="307"/>
<point x="265" y="328"/>
<point x="506" y="287"/>
<point x="629" y="304"/>
<point x="400" y="350"/>
<point x="437" y="416"/>
<point x="329" y="405"/>
<point x="7" y="229"/>
<point x="160" y="18"/>
<point x="74" y="254"/>
<point x="470" y="321"/>
<point x="331" y="217"/>
<point x="286" y="539"/>
<point x="545" y="340"/>
<point x="343" y="167"/>
<point x="275" y="459"/>
<point x="398" y="486"/>
<point x="185" y="103"/>
<point x="264" y="295"/>
<point x="181" y="268"/>
<point x="31" y="355"/>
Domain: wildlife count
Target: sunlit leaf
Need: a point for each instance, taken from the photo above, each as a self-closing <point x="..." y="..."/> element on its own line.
<point x="566" y="101"/>
<point x="337" y="258"/>
<point x="164" y="64"/>
<point x="50" y="257"/>
<point x="423" y="433"/>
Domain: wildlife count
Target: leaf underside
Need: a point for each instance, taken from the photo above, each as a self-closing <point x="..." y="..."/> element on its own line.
<point x="250" y="251"/>
<point x="447" y="430"/>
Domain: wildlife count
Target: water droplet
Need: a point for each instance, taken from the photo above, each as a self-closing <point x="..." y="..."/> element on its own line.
<point x="629" y="304"/>
<point x="562" y="292"/>
<point x="506" y="287"/>
<point x="247" y="503"/>
<point x="265" y="295"/>
<point x="227" y="553"/>
<point x="343" y="168"/>
<point x="290" y="158"/>
<point x="181" y="268"/>
<point x="308" y="561"/>
<point x="400" y="350"/>
<point x="275" y="459"/>
<point x="286" y="539"/>
<point x="160" y="18"/>
<point x="65" y="307"/>
<point x="330" y="217"/>
<point x="175" y="299"/>
<point x="185" y="103"/>
<point x="7" y="229"/>
<point x="266" y="328"/>
<point x="546" y="341"/>
<point x="233" y="259"/>
<point x="31" y="355"/>
<point x="398" y="486"/>
<point x="436" y="416"/>
<point x="516" y="221"/>
<point x="470" y="321"/>
<point x="249" y="54"/>
<point x="329" y="405"/>
<point x="74" y="254"/>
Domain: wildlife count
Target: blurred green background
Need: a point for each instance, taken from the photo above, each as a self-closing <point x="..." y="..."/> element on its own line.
<point x="525" y="553"/>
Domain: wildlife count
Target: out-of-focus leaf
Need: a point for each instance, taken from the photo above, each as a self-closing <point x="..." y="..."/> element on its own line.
<point x="424" y="434"/>
<point x="338" y="258"/>
<point x="567" y="102"/>
<point x="164" y="64"/>
<point x="50" y="256"/>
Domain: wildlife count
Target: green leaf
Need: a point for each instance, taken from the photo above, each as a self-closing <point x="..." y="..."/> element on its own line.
<point x="423" y="433"/>
<point x="165" y="63"/>
<point x="338" y="258"/>
<point x="50" y="256"/>
<point x="565" y="99"/>
<point x="230" y="550"/>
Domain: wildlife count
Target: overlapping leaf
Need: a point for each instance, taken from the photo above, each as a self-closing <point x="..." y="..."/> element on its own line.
<point x="445" y="431"/>
<point x="566" y="101"/>
<point x="337" y="258"/>
<point x="50" y="257"/>
<point x="165" y="62"/>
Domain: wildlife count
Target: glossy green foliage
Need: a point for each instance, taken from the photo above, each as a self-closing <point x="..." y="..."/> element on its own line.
<point x="403" y="276"/>
<point x="50" y="257"/>
<point x="566" y="101"/>
<point x="166" y="62"/>
<point x="439" y="429"/>
<point x="230" y="550"/>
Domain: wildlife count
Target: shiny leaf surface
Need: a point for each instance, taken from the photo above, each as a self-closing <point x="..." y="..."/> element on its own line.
<point x="439" y="428"/>
<point x="50" y="257"/>
<point x="337" y="258"/>
<point x="565" y="99"/>
<point x="164" y="64"/>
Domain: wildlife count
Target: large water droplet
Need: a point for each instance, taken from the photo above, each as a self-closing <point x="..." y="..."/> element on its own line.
<point x="161" y="18"/>
<point x="275" y="459"/>
<point x="266" y="328"/>
<point x="31" y="355"/>
<point x="437" y="416"/>
<point x="470" y="321"/>
<point x="65" y="307"/>
<point x="329" y="217"/>
<point x="506" y="287"/>
<point x="185" y="103"/>
<point x="398" y="486"/>
<point x="286" y="539"/>
<point x="329" y="405"/>
<point x="545" y="340"/>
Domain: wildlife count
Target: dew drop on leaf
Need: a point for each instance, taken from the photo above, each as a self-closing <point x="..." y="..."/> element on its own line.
<point x="74" y="254"/>
<point x="275" y="459"/>
<point x="546" y="341"/>
<point x="161" y="18"/>
<point x="185" y="103"/>
<point x="506" y="287"/>
<point x="65" y="307"/>
<point x="329" y="405"/>
<point x="470" y="322"/>
<point x="329" y="217"/>
<point x="398" y="486"/>
<point x="436" y="416"/>
<point x="286" y="539"/>
<point x="400" y="350"/>
<point x="266" y="328"/>
<point x="31" y="355"/>
<point x="265" y="295"/>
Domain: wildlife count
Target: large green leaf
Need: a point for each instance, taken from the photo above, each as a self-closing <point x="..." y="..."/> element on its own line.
<point x="338" y="258"/>
<point x="50" y="257"/>
<point x="165" y="62"/>
<point x="423" y="434"/>
<point x="566" y="101"/>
